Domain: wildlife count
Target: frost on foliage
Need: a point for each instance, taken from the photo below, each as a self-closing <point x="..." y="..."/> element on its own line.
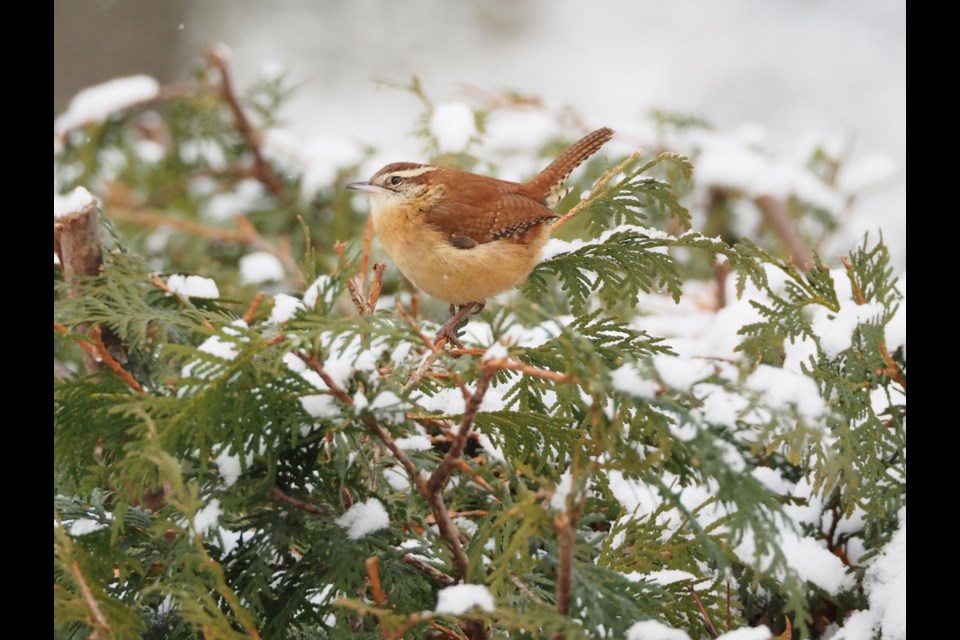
<point x="193" y="286"/>
<point x="97" y="103"/>
<point x="460" y="598"/>
<point x="364" y="518"/>
<point x="260" y="266"/>
<point x="655" y="630"/>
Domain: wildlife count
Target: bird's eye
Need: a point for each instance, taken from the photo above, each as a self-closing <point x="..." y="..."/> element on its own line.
<point x="395" y="180"/>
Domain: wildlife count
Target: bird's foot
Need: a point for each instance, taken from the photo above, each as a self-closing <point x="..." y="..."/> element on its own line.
<point x="457" y="317"/>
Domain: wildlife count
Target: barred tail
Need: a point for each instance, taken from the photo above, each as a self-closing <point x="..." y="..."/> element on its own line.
<point x="551" y="179"/>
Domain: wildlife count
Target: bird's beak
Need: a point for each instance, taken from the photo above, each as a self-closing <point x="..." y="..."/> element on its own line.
<point x="365" y="186"/>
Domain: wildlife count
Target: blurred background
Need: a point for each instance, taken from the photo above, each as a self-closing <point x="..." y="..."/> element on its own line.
<point x="794" y="73"/>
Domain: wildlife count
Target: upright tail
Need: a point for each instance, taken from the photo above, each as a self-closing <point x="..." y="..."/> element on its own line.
<point x="549" y="181"/>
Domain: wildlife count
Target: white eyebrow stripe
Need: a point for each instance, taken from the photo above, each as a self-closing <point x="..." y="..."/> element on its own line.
<point x="413" y="173"/>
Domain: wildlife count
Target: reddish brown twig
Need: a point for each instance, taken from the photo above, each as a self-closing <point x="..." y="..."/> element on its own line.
<point x="99" y="620"/>
<point x="254" y="306"/>
<point x="363" y="301"/>
<point x="280" y="496"/>
<point x="373" y="575"/>
<point x="467" y="469"/>
<point x="428" y="570"/>
<point x="160" y="284"/>
<point x="706" y="616"/>
<point x="778" y="218"/>
<point x="263" y="170"/>
<point x="379" y="431"/>
<point x="98" y="352"/>
<point x="439" y="477"/>
<point x="892" y="370"/>
<point x="142" y="218"/>
<point x="513" y="365"/>
<point x="857" y="292"/>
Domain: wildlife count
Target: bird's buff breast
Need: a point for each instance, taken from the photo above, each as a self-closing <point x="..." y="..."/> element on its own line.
<point x="457" y="276"/>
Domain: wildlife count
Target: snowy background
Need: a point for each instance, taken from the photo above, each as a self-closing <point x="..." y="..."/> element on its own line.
<point x="797" y="73"/>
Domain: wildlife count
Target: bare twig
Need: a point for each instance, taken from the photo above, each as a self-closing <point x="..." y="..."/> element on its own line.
<point x="263" y="170"/>
<point x="892" y="370"/>
<point x="142" y="218"/>
<point x="98" y="352"/>
<point x="776" y="215"/>
<point x="378" y="430"/>
<point x="857" y="292"/>
<point x="280" y="496"/>
<point x="160" y="284"/>
<point x="366" y="302"/>
<point x="373" y="574"/>
<point x="439" y="477"/>
<point x="252" y="309"/>
<point x="428" y="570"/>
<point x="98" y="617"/>
<point x="513" y="365"/>
<point x="706" y="616"/>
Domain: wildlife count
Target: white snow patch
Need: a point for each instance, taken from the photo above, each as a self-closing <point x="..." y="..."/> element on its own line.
<point x="808" y="557"/>
<point x="72" y="202"/>
<point x="320" y="405"/>
<point x="83" y="526"/>
<point x="747" y="633"/>
<point x="679" y="373"/>
<point x="414" y="443"/>
<point x="207" y="517"/>
<point x="193" y="286"/>
<point x="284" y="308"/>
<point x="460" y="598"/>
<point x="363" y="518"/>
<point x="628" y="379"/>
<point x="654" y="630"/>
<point x="260" y="267"/>
<point x="886" y="585"/>
<point x="782" y="389"/>
<point x="663" y="577"/>
<point x="835" y="330"/>
<point x="229" y="467"/>
<point x="453" y="124"/>
<point x="97" y="103"/>
<point x="560" y="493"/>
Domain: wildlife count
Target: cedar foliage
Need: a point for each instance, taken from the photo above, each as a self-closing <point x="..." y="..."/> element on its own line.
<point x="279" y="428"/>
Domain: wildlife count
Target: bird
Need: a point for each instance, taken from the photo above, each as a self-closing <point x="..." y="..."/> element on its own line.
<point x="463" y="237"/>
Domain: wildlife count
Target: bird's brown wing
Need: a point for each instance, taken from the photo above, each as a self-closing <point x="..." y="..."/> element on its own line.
<point x="463" y="213"/>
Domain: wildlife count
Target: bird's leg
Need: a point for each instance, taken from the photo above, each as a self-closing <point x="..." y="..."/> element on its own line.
<point x="449" y="328"/>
